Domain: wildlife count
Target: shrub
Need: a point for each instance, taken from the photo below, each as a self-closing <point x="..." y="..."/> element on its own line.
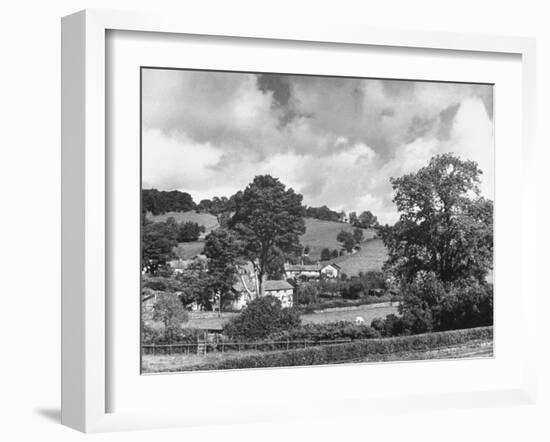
<point x="262" y="317"/>
<point x="306" y="294"/>
<point x="353" y="290"/>
<point x="465" y="307"/>
<point x="429" y="304"/>
<point x="378" y="324"/>
<point x="374" y="348"/>
<point x="329" y="331"/>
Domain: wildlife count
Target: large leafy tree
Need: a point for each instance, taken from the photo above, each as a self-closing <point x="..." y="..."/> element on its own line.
<point x="223" y="251"/>
<point x="268" y="219"/>
<point x="445" y="226"/>
<point x="157" y="242"/>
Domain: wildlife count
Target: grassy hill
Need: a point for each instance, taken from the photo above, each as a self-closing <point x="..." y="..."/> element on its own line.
<point x="210" y="222"/>
<point x="188" y="250"/>
<point x="320" y="234"/>
<point x="372" y="256"/>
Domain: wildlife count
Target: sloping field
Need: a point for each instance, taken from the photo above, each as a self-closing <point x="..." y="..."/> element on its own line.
<point x="210" y="222"/>
<point x="188" y="250"/>
<point x="372" y="256"/>
<point x="320" y="234"/>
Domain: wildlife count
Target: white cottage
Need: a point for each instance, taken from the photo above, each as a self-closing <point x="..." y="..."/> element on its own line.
<point x="281" y="290"/>
<point x="330" y="271"/>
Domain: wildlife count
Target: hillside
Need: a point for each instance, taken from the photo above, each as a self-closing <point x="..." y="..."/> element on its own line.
<point x="372" y="256"/>
<point x="320" y="234"/>
<point x="210" y="222"/>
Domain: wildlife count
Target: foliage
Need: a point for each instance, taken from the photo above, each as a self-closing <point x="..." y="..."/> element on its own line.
<point x="445" y="227"/>
<point x="158" y="202"/>
<point x="329" y="331"/>
<point x="325" y="254"/>
<point x="168" y="309"/>
<point x="223" y="252"/>
<point x="322" y="213"/>
<point x="262" y="317"/>
<point x="306" y="294"/>
<point x="353" y="289"/>
<point x="189" y="231"/>
<point x="157" y="242"/>
<point x="268" y="220"/>
<point x="366" y="220"/>
<point x="429" y="304"/>
<point x="326" y="354"/>
<point x="347" y="239"/>
<point x="358" y="235"/>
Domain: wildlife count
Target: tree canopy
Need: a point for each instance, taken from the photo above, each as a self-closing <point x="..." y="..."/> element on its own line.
<point x="445" y="227"/>
<point x="269" y="219"/>
<point x="223" y="252"/>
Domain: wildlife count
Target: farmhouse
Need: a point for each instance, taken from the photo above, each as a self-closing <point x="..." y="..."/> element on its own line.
<point x="311" y="271"/>
<point x="330" y="271"/>
<point x="246" y="289"/>
<point x="315" y="271"/>
<point x="281" y="290"/>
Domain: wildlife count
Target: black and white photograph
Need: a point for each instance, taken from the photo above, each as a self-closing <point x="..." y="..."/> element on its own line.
<point x="301" y="220"/>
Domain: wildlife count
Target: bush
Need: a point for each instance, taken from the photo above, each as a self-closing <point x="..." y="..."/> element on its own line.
<point x="465" y="307"/>
<point x="429" y="304"/>
<point x="262" y="317"/>
<point x="378" y="324"/>
<point x="330" y="331"/>
<point x="353" y="290"/>
<point x="306" y="294"/>
<point x="327" y="354"/>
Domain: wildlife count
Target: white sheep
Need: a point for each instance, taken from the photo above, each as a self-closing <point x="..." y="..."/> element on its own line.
<point x="359" y="320"/>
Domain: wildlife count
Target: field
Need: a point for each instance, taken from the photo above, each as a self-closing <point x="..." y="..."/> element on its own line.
<point x="188" y="250"/>
<point x="367" y="312"/>
<point x="210" y="222"/>
<point x="320" y="234"/>
<point x="372" y="256"/>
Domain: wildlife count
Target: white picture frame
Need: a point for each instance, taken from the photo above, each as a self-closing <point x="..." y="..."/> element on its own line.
<point x="85" y="202"/>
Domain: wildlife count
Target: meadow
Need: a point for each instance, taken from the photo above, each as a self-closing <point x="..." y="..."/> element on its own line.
<point x="209" y="221"/>
<point x="320" y="234"/>
<point x="372" y="256"/>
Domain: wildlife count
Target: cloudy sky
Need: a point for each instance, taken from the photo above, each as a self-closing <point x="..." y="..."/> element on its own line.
<point x="337" y="141"/>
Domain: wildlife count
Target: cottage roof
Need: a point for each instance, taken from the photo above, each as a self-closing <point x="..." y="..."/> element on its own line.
<point x="272" y="285"/>
<point x="336" y="266"/>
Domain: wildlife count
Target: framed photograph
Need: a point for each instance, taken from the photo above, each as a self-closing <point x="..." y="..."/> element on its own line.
<point x="292" y="222"/>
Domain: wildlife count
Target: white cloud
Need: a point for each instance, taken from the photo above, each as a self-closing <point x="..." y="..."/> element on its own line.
<point x="337" y="141"/>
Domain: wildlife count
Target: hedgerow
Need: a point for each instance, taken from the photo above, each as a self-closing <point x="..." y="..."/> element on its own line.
<point x="351" y="351"/>
<point x="329" y="331"/>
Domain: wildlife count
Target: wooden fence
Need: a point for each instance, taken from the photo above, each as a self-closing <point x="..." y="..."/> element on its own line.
<point x="203" y="347"/>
